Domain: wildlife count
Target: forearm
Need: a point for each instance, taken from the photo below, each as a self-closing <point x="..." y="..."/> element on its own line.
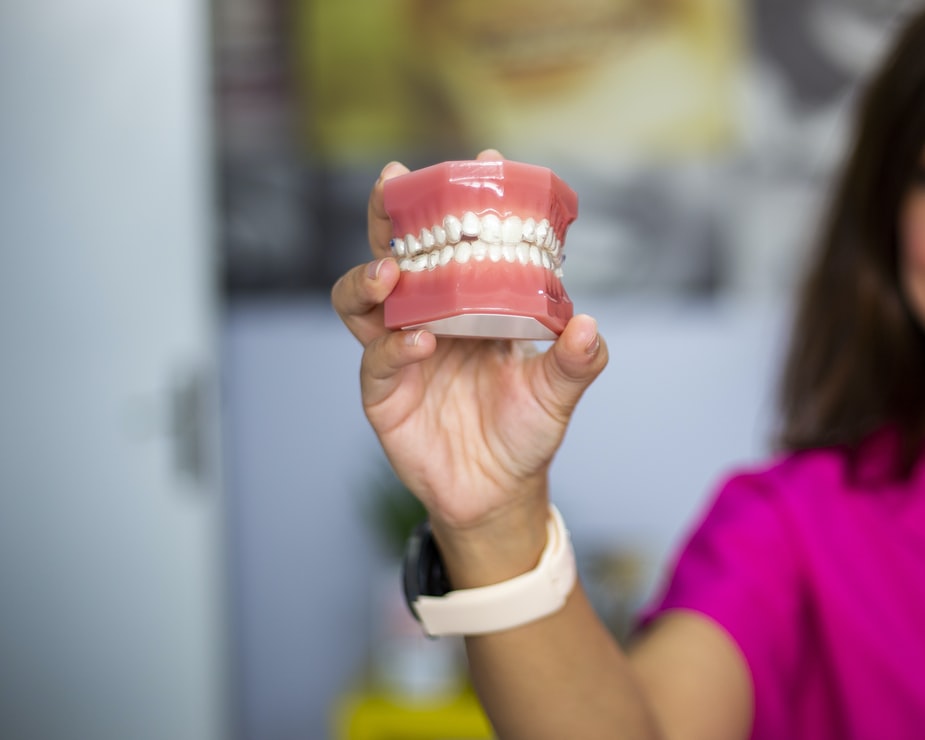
<point x="562" y="676"/>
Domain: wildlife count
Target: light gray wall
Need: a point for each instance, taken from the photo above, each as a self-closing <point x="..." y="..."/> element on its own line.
<point x="111" y="581"/>
<point x="686" y="396"/>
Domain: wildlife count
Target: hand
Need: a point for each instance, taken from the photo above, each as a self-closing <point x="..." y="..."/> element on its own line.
<point x="469" y="425"/>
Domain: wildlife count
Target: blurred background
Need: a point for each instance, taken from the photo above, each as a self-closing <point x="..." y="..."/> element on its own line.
<point x="198" y="533"/>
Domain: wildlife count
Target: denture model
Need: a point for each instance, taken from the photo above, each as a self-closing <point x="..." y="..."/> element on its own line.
<point x="480" y="247"/>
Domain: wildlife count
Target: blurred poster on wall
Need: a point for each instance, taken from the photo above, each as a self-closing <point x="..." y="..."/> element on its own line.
<point x="700" y="135"/>
<point x="606" y="92"/>
<point x="588" y="81"/>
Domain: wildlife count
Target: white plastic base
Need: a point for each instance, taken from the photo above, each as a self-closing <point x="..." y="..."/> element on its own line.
<point x="488" y="326"/>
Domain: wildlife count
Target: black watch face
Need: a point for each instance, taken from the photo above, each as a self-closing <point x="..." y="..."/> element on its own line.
<point x="409" y="567"/>
<point x="433" y="574"/>
<point x="422" y="568"/>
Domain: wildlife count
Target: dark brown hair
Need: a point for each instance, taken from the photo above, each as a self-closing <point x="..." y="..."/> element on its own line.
<point x="856" y="361"/>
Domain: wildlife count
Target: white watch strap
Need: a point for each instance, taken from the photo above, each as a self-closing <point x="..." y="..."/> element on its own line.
<point x="525" y="598"/>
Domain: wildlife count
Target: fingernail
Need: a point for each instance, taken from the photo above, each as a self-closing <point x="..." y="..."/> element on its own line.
<point x="594" y="345"/>
<point x="383" y="171"/>
<point x="413" y="338"/>
<point x="374" y="268"/>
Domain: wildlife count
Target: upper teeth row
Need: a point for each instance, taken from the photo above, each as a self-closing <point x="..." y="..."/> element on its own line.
<point x="490" y="229"/>
<point x="478" y="251"/>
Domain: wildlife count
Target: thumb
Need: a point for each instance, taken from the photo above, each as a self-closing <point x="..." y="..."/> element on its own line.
<point x="571" y="365"/>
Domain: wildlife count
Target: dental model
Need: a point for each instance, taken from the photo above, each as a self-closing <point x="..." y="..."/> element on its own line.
<point x="480" y="247"/>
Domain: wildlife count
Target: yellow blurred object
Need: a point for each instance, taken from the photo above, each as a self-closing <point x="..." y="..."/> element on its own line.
<point x="586" y="79"/>
<point x="376" y="715"/>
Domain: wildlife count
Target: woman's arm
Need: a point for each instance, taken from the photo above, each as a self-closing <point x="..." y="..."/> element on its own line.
<point x="471" y="427"/>
<point x="564" y="676"/>
<point x="695" y="678"/>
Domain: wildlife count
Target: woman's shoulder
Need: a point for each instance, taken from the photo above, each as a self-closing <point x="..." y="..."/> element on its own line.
<point x="791" y="472"/>
<point x="868" y="468"/>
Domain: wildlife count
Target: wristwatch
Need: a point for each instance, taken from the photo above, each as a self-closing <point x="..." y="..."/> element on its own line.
<point x="500" y="606"/>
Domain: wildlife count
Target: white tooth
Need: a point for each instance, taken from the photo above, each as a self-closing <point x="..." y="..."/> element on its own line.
<point x="494" y="252"/>
<point x="470" y="224"/>
<point x="550" y="236"/>
<point x="542" y="231"/>
<point x="556" y="246"/>
<point x="462" y="253"/>
<point x="439" y="235"/>
<point x="427" y="239"/>
<point x="535" y="255"/>
<point x="479" y="250"/>
<point x="529" y="230"/>
<point x="446" y="254"/>
<point x="558" y="272"/>
<point x="490" y="229"/>
<point x="412" y="245"/>
<point x="453" y="228"/>
<point x="419" y="263"/>
<point x="546" y="262"/>
<point x="512" y="229"/>
<point x="398" y="247"/>
<point x="433" y="259"/>
<point x="404" y="265"/>
<point x="523" y="253"/>
<point x="509" y="252"/>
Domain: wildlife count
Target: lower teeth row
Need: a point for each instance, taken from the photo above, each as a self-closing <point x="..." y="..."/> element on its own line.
<point x="478" y="251"/>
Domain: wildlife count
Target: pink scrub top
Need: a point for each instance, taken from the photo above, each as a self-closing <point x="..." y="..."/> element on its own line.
<point x="821" y="583"/>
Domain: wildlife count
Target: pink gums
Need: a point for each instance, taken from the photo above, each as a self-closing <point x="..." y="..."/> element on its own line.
<point x="421" y="199"/>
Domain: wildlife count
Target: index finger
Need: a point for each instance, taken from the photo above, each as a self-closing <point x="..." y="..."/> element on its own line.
<point x="379" y="227"/>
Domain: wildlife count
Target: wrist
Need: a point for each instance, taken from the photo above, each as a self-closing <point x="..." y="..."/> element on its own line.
<point x="504" y="545"/>
<point x="521" y="599"/>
